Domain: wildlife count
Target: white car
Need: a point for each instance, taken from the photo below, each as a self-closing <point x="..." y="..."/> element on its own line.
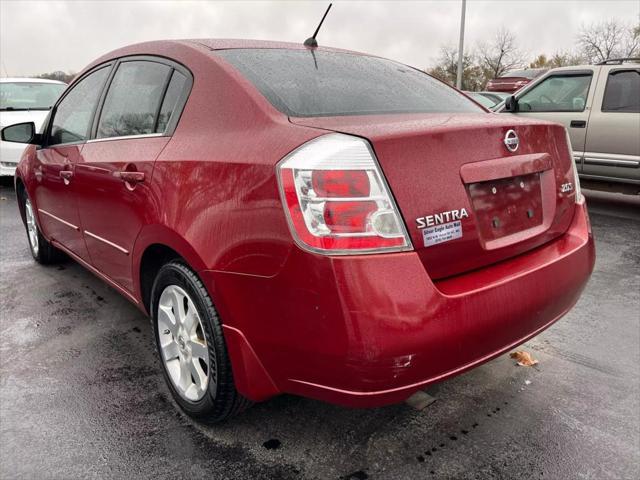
<point x="23" y="100"/>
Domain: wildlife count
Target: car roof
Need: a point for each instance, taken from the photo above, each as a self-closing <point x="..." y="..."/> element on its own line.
<point x="28" y="80"/>
<point x="208" y="44"/>
<point x="177" y="49"/>
<point x="235" y="43"/>
<point x="589" y="66"/>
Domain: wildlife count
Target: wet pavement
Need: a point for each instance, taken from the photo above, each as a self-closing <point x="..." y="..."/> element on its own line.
<point x="81" y="395"/>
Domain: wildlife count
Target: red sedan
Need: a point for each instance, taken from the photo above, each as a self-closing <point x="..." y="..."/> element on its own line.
<point x="305" y="220"/>
<point x="513" y="81"/>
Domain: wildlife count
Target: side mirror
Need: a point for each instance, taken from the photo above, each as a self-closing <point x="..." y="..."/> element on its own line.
<point x="20" y="133"/>
<point x="511" y="104"/>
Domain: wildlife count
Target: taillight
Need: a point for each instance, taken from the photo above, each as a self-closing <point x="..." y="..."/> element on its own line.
<point x="336" y="198"/>
<point x="574" y="169"/>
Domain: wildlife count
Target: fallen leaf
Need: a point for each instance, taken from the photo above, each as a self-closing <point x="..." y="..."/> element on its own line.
<point x="524" y="359"/>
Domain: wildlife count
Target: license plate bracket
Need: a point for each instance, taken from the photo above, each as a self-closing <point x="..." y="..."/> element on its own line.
<point x="507" y="206"/>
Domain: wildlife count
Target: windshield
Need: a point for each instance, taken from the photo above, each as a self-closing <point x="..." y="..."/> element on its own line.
<point x="312" y="83"/>
<point x="29" y="95"/>
<point x="482" y="100"/>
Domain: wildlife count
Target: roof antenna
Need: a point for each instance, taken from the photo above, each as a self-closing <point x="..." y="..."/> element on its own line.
<point x="311" y="41"/>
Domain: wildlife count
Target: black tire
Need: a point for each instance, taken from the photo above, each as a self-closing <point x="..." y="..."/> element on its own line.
<point x="221" y="399"/>
<point x="41" y="250"/>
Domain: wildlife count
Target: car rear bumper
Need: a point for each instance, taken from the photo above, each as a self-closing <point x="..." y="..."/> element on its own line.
<point x="10" y="154"/>
<point x="371" y="330"/>
<point x="7" y="169"/>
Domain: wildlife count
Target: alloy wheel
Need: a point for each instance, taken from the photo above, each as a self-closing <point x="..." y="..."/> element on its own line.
<point x="183" y="344"/>
<point x="32" y="228"/>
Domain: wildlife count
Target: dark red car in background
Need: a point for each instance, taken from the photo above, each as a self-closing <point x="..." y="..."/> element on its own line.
<point x="305" y="220"/>
<point x="514" y="80"/>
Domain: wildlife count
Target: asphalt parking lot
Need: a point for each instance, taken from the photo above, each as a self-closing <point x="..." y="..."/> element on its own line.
<point x="82" y="395"/>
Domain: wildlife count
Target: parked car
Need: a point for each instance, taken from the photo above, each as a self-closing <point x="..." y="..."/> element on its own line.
<point x="23" y="100"/>
<point x="514" y="80"/>
<point x="600" y="107"/>
<point x="345" y="228"/>
<point x="490" y="100"/>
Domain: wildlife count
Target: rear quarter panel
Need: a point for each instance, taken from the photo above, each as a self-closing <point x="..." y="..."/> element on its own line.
<point x="214" y="184"/>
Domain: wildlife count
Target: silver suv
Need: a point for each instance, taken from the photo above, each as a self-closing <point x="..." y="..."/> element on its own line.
<point x="600" y="107"/>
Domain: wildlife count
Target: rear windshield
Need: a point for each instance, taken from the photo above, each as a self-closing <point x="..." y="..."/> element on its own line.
<point x="314" y="83"/>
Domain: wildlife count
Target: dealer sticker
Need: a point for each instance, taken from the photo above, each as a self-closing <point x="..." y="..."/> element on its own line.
<point x="442" y="233"/>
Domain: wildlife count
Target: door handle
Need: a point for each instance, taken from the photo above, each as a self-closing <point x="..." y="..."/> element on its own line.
<point x="578" y="123"/>
<point x="66" y="176"/>
<point x="130" y="177"/>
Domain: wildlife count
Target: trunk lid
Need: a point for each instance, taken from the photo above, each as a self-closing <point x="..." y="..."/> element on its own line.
<point x="467" y="201"/>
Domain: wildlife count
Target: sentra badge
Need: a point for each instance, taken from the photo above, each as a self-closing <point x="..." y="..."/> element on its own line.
<point x="442" y="217"/>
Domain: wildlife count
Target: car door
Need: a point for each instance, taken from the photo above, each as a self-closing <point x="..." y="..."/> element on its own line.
<point x="68" y="129"/>
<point x="116" y="166"/>
<point x="612" y="149"/>
<point x="566" y="97"/>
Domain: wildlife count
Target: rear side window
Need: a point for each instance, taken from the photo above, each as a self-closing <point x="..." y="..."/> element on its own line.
<point x="74" y="114"/>
<point x="557" y="93"/>
<point x="622" y="93"/>
<point x="171" y="98"/>
<point x="309" y="83"/>
<point x="133" y="101"/>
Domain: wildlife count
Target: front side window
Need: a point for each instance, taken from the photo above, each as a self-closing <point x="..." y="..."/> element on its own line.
<point x="622" y="93"/>
<point x="29" y="95"/>
<point x="311" y="83"/>
<point x="133" y="101"/>
<point x="557" y="93"/>
<point x="74" y="114"/>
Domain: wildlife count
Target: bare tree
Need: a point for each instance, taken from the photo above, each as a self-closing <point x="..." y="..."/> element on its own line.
<point x="609" y="39"/>
<point x="500" y="55"/>
<point x="631" y="44"/>
<point x="447" y="69"/>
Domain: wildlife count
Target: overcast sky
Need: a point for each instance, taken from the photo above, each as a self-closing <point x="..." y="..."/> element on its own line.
<point x="43" y="36"/>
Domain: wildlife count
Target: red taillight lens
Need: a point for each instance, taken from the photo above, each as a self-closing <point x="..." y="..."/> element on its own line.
<point x="341" y="183"/>
<point x="348" y="217"/>
<point x="336" y="198"/>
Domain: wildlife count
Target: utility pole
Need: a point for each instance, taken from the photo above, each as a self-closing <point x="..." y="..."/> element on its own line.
<point x="461" y="46"/>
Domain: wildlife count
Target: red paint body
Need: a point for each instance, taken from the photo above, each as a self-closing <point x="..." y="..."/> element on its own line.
<point x="507" y="84"/>
<point x="361" y="330"/>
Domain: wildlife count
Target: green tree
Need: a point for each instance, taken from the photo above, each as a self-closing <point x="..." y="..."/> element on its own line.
<point x="557" y="60"/>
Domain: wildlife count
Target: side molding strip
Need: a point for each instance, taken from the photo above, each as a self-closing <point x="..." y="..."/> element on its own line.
<point x="104" y="240"/>
<point x="59" y="219"/>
